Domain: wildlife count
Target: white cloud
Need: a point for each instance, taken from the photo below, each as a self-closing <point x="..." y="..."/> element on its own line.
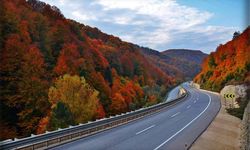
<point x="159" y="24"/>
<point x="62" y="2"/>
<point x="83" y="17"/>
<point x="119" y="4"/>
<point x="168" y="12"/>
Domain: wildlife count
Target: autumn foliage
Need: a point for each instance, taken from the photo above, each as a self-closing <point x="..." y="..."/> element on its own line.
<point x="229" y="64"/>
<point x="55" y="72"/>
<point x="77" y="96"/>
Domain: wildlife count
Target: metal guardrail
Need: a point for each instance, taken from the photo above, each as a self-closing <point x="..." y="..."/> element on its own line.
<point x="54" y="138"/>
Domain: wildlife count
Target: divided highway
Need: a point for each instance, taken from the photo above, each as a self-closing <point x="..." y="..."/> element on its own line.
<point x="175" y="127"/>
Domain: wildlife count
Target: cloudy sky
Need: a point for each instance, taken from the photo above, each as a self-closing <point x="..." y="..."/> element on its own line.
<point x="161" y="24"/>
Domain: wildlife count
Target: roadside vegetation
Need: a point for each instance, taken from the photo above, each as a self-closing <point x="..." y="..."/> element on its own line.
<point x="228" y="65"/>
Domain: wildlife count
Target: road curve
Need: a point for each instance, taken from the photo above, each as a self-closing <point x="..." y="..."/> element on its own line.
<point x="175" y="127"/>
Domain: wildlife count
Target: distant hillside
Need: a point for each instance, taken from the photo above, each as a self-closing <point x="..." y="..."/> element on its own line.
<point x="229" y="64"/>
<point x="195" y="56"/>
<point x="179" y="63"/>
<point x="57" y="72"/>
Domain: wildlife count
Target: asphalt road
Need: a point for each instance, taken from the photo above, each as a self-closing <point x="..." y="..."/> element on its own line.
<point x="174" y="128"/>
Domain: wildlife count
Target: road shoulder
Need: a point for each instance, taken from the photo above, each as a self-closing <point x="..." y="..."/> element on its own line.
<point x="223" y="133"/>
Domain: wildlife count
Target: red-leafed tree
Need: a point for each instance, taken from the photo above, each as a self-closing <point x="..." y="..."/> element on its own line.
<point x="33" y="87"/>
<point x="118" y="104"/>
<point x="42" y="125"/>
<point x="228" y="64"/>
<point x="99" y="83"/>
<point x="11" y="57"/>
<point x="100" y="112"/>
<point x="69" y="61"/>
<point x="24" y="88"/>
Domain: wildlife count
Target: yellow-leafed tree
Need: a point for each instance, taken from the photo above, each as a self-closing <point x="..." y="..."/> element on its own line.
<point x="80" y="100"/>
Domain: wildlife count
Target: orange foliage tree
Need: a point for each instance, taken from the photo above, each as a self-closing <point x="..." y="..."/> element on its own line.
<point x="228" y="64"/>
<point x="118" y="104"/>
<point x="69" y="60"/>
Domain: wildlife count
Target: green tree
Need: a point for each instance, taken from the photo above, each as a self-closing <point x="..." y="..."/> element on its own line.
<point x="61" y="117"/>
<point x="211" y="62"/>
<point x="229" y="77"/>
<point x="236" y="34"/>
<point x="247" y="66"/>
<point x="209" y="74"/>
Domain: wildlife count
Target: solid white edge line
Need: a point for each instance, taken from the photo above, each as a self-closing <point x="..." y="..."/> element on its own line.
<point x="186" y="124"/>
<point x="175" y="114"/>
<point x="144" y="129"/>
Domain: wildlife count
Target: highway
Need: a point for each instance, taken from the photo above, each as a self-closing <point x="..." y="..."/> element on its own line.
<point x="175" y="128"/>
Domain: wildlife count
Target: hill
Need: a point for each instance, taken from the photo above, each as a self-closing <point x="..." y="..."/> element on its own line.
<point x="229" y="64"/>
<point x="180" y="63"/>
<point x="56" y="72"/>
<point x="195" y="56"/>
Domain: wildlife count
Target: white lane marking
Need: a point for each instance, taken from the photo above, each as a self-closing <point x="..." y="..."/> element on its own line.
<point x="197" y="98"/>
<point x="188" y="106"/>
<point x="186" y="124"/>
<point x="145" y="129"/>
<point x="175" y="114"/>
<point x="195" y="101"/>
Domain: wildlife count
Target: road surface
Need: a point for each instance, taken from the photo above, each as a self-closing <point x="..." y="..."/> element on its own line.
<point x="176" y="127"/>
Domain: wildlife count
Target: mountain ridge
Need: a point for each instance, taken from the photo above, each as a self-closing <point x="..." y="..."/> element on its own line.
<point x="184" y="64"/>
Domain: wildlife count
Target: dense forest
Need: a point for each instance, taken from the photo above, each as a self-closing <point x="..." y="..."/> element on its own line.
<point x="55" y="72"/>
<point x="229" y="64"/>
<point x="186" y="60"/>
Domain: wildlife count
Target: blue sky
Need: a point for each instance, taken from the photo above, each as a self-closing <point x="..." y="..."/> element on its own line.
<point x="161" y="24"/>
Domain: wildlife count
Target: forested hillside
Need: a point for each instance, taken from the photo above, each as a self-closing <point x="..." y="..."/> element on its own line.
<point x="188" y="61"/>
<point x="229" y="64"/>
<point x="56" y="72"/>
<point x="194" y="56"/>
<point x="182" y="64"/>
